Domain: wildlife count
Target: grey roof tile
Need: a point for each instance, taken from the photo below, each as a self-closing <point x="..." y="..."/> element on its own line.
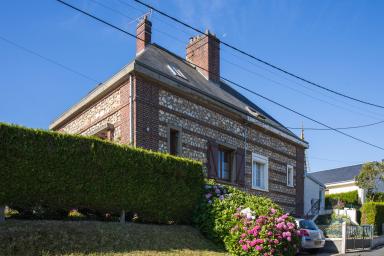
<point x="158" y="58"/>
<point x="342" y="174"/>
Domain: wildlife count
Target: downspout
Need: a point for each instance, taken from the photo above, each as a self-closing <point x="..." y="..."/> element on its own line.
<point x="131" y="111"/>
<point x="245" y="140"/>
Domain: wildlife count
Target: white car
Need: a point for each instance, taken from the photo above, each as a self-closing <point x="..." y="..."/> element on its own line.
<point x="312" y="237"/>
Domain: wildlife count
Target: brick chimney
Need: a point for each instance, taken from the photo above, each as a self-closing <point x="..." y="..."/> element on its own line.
<point x="204" y="51"/>
<point x="143" y="33"/>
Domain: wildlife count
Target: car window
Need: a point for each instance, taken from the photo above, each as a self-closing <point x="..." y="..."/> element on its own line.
<point x="307" y="224"/>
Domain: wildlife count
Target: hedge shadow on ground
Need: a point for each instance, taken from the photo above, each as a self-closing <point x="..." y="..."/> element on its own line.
<point x="99" y="238"/>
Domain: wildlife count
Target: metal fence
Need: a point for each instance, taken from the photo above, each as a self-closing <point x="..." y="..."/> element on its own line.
<point x="331" y="231"/>
<point x="359" y="237"/>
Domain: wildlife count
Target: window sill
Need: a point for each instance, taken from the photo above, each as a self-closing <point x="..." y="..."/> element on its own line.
<point x="260" y="189"/>
<point x="291" y="186"/>
<point x="227" y="182"/>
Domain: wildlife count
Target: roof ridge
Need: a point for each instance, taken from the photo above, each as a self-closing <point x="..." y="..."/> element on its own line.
<point x="235" y="93"/>
<point x="337" y="168"/>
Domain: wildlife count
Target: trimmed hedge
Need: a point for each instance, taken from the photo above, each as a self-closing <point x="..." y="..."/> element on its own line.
<point x="373" y="213"/>
<point x="348" y="198"/>
<point x="62" y="171"/>
<point x="378" y="197"/>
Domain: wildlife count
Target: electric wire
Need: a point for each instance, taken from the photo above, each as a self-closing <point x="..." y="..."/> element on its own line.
<point x="48" y="59"/>
<point x="251" y="71"/>
<point x="263" y="61"/>
<point x="231" y="82"/>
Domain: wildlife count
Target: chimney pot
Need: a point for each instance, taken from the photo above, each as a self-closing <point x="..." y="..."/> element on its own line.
<point x="204" y="52"/>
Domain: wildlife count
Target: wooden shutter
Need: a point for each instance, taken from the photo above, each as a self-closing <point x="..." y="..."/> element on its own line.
<point x="240" y="167"/>
<point x="212" y="157"/>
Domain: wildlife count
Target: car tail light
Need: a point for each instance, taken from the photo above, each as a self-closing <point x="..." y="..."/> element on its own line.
<point x="304" y="232"/>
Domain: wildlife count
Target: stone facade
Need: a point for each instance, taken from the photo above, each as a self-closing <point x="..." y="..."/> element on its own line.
<point x="200" y="124"/>
<point x="108" y="110"/>
<point x="156" y="109"/>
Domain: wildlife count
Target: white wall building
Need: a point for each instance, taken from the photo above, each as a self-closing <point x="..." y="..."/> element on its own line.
<point x="314" y="191"/>
<point x="342" y="180"/>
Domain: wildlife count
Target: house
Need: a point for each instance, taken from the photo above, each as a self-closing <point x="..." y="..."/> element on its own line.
<point x="342" y="180"/>
<point x="167" y="103"/>
<point x="314" y="196"/>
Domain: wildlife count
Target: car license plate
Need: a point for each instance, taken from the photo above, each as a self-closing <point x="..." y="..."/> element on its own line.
<point x="317" y="242"/>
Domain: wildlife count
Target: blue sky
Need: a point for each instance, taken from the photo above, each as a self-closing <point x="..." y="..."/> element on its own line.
<point x="336" y="43"/>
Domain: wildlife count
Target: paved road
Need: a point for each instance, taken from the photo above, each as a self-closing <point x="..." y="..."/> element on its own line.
<point x="376" y="252"/>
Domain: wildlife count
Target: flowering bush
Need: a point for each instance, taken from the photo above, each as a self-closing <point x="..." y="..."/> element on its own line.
<point x="271" y="234"/>
<point x="215" y="191"/>
<point x="245" y="224"/>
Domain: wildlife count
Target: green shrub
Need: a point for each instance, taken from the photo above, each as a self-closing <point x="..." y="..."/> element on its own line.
<point x="350" y="199"/>
<point x="222" y="216"/>
<point x="378" y="197"/>
<point x="60" y="171"/>
<point x="373" y="213"/>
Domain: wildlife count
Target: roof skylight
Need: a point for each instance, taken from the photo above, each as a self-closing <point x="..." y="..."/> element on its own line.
<point x="176" y="72"/>
<point x="254" y="113"/>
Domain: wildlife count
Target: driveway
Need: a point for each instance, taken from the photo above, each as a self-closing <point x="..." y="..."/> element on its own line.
<point x="376" y="252"/>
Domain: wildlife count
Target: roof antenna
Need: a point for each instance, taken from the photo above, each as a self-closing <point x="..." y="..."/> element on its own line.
<point x="144" y="16"/>
<point x="302" y="131"/>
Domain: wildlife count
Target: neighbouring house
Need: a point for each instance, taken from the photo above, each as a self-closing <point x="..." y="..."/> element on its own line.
<point x="314" y="196"/>
<point x="167" y="103"/>
<point x="342" y="180"/>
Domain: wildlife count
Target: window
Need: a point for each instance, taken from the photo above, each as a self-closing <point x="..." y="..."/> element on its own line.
<point x="176" y="72"/>
<point x="104" y="132"/>
<point x="255" y="113"/>
<point x="174" y="141"/>
<point x="259" y="172"/>
<point x="290" y="175"/>
<point x="307" y="224"/>
<point x="225" y="164"/>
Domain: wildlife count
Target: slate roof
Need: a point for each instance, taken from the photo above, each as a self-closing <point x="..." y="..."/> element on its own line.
<point x="342" y="174"/>
<point x="158" y="58"/>
<point x="310" y="176"/>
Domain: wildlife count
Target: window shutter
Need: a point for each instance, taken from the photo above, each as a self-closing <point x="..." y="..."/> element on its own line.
<point x="240" y="167"/>
<point x="212" y="156"/>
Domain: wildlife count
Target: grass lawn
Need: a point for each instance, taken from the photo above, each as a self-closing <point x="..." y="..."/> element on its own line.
<point x="78" y="238"/>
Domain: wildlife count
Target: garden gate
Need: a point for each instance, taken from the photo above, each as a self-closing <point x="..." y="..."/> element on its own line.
<point x="358" y="237"/>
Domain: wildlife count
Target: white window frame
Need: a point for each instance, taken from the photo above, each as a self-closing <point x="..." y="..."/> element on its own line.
<point x="290" y="173"/>
<point x="261" y="160"/>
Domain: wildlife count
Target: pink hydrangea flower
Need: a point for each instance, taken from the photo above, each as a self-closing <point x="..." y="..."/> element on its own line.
<point x="258" y="248"/>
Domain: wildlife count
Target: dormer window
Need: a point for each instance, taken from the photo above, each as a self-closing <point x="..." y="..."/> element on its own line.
<point x="176" y="72"/>
<point x="254" y="113"/>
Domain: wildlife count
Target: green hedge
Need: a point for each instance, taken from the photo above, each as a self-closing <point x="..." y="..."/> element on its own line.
<point x="348" y="198"/>
<point x="64" y="171"/>
<point x="373" y="213"/>
<point x="378" y="197"/>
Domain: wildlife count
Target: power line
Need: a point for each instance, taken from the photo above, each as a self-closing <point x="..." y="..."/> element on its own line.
<point x="48" y="59"/>
<point x="340" y="128"/>
<point x="163" y="21"/>
<point x="263" y="61"/>
<point x="312" y="89"/>
<point x="247" y="70"/>
<point x="296" y="90"/>
<point x="229" y="81"/>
